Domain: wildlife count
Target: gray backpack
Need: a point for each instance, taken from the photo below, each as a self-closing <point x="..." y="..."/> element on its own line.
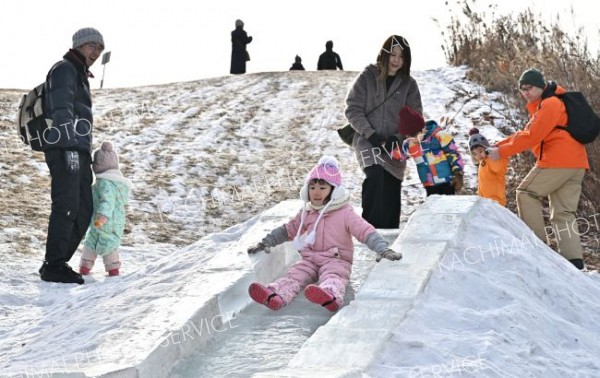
<point x="31" y="120"/>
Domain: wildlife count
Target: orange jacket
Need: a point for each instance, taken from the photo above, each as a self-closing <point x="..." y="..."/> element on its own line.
<point x="552" y="147"/>
<point x="492" y="180"/>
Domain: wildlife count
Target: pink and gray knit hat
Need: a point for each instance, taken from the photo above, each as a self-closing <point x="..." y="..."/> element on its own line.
<point x="328" y="170"/>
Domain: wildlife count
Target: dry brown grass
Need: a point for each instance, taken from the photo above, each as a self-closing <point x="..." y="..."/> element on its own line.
<point x="498" y="48"/>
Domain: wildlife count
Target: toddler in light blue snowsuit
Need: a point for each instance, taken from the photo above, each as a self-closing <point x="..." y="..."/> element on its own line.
<point x="110" y="192"/>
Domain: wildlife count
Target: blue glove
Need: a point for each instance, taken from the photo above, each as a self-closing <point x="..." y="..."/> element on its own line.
<point x="72" y="162"/>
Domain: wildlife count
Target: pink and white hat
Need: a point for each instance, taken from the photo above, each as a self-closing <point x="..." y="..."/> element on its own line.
<point x="328" y="170"/>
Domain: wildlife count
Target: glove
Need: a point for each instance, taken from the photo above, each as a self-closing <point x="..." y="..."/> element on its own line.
<point x="493" y="153"/>
<point x="391" y="143"/>
<point x="389" y="254"/>
<point x="457" y="181"/>
<point x="376" y="140"/>
<point x="259" y="247"/>
<point x="100" y="221"/>
<point x="72" y="161"/>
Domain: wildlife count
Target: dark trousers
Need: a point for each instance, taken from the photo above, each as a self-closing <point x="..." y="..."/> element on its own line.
<point x="381" y="198"/>
<point x="446" y="189"/>
<point x="72" y="205"/>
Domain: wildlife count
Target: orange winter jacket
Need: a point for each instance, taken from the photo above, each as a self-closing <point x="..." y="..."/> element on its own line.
<point x="491" y="180"/>
<point x="552" y="147"/>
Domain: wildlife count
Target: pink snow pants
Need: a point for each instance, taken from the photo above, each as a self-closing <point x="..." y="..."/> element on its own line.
<point x="327" y="268"/>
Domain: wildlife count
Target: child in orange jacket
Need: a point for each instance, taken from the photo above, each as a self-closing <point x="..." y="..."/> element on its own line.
<point x="491" y="175"/>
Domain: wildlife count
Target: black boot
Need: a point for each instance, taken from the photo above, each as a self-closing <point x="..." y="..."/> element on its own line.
<point x="44" y="265"/>
<point x="60" y="272"/>
<point x="578" y="263"/>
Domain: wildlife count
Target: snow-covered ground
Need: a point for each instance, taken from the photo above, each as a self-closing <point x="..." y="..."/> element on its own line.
<point x="208" y="155"/>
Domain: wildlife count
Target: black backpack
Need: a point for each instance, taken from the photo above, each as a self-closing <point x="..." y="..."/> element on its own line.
<point x="583" y="123"/>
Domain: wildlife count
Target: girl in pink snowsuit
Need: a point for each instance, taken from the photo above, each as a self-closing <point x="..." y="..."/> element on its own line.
<point x="322" y="232"/>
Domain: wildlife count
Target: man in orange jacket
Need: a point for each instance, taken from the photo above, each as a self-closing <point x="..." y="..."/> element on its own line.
<point x="561" y="162"/>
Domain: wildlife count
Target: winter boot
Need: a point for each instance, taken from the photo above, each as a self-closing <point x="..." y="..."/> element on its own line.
<point x="60" y="272"/>
<point x="84" y="270"/>
<point x="43" y="267"/>
<point x="113" y="272"/>
<point x="265" y="296"/>
<point x="578" y="263"/>
<point x="322" y="297"/>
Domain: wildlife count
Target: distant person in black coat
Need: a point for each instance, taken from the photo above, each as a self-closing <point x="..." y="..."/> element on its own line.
<point x="329" y="60"/>
<point x="297" y="66"/>
<point x="239" y="54"/>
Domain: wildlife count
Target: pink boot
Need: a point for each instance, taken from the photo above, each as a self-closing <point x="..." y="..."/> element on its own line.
<point x="84" y="270"/>
<point x="113" y="272"/>
<point x="322" y="297"/>
<point x="265" y="296"/>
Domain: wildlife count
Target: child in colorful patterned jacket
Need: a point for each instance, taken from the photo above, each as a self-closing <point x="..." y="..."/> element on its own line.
<point x="322" y="232"/>
<point x="110" y="193"/>
<point x="439" y="164"/>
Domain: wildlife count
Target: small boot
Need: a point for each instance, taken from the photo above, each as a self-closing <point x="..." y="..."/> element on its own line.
<point x="84" y="270"/>
<point x="578" y="263"/>
<point x="322" y="297"/>
<point x="113" y="272"/>
<point x="265" y="296"/>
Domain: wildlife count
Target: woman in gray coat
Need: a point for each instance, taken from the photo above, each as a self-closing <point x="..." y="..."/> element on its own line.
<point x="372" y="107"/>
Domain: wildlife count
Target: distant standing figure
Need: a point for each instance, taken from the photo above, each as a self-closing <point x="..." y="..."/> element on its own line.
<point x="297" y="66"/>
<point x="239" y="54"/>
<point x="329" y="60"/>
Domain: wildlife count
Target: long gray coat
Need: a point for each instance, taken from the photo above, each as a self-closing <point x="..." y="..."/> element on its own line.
<point x="366" y="93"/>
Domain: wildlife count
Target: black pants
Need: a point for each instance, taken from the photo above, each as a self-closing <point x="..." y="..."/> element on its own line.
<point x="72" y="205"/>
<point x="446" y="188"/>
<point x="381" y="198"/>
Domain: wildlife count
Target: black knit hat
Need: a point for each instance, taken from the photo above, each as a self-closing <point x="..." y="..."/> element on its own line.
<point x="532" y="77"/>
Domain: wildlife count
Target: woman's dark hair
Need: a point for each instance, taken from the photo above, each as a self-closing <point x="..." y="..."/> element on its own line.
<point x="385" y="52"/>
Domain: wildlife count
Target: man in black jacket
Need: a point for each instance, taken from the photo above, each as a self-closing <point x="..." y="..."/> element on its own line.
<point x="329" y="60"/>
<point x="67" y="145"/>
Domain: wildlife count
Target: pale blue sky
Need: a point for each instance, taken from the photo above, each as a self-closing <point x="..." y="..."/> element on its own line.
<point x="180" y="40"/>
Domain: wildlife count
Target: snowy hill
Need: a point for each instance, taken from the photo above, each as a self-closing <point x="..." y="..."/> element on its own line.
<point x="207" y="158"/>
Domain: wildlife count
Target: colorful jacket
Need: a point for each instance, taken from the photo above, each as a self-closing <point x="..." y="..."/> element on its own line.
<point x="110" y="193"/>
<point x="552" y="147"/>
<point x="492" y="180"/>
<point x="335" y="229"/>
<point x="436" y="155"/>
